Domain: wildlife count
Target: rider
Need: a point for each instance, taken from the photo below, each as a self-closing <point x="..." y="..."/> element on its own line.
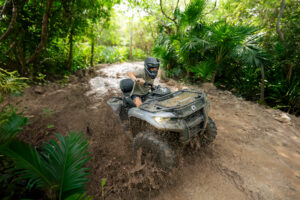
<point x="143" y="80"/>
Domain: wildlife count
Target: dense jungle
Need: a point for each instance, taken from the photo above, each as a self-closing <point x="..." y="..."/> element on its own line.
<point x="61" y="60"/>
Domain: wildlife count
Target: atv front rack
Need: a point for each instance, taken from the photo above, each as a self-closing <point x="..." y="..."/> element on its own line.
<point x="183" y="103"/>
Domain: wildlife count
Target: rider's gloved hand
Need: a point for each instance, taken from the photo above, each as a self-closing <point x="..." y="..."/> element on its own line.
<point x="140" y="81"/>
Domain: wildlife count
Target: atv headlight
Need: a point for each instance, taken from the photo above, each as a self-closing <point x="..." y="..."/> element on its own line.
<point x="164" y="120"/>
<point x="159" y="119"/>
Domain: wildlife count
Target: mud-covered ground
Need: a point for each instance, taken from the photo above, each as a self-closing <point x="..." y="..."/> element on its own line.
<point x="256" y="154"/>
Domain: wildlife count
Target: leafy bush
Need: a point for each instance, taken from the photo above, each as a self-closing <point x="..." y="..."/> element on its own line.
<point x="138" y="54"/>
<point x="11" y="82"/>
<point x="110" y="54"/>
<point x="11" y="123"/>
<point x="113" y="54"/>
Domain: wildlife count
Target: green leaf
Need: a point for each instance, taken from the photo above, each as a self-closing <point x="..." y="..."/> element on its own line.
<point x="50" y="126"/>
<point x="59" y="168"/>
<point x="103" y="182"/>
<point x="11" y="124"/>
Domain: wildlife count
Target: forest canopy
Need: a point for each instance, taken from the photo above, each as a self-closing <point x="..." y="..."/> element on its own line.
<point x="248" y="47"/>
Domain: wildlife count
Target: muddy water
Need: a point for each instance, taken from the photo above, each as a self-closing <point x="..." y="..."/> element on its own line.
<point x="255" y="155"/>
<point x="110" y="77"/>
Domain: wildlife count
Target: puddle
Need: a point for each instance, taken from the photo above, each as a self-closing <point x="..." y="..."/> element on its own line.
<point x="110" y="78"/>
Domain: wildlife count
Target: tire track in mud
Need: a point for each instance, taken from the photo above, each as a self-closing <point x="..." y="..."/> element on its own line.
<point x="238" y="182"/>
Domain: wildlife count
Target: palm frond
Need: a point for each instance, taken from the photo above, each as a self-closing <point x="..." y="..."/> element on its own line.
<point x="194" y="44"/>
<point x="193" y="12"/>
<point x="65" y="163"/>
<point x="250" y="52"/>
<point x="204" y="69"/>
<point x="11" y="82"/>
<point x="11" y="123"/>
<point x="59" y="169"/>
<point x="28" y="163"/>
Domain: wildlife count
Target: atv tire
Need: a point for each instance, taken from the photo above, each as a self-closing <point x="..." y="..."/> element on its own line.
<point x="209" y="134"/>
<point x="161" y="153"/>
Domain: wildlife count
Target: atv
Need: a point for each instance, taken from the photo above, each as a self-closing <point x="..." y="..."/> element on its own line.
<point x="165" y="120"/>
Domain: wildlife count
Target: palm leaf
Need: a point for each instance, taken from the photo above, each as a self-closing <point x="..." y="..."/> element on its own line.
<point x="10" y="124"/>
<point x="28" y="162"/>
<point x="58" y="169"/>
<point x="204" y="69"/>
<point x="250" y="52"/>
<point x="193" y="12"/>
<point x="65" y="163"/>
<point x="194" y="44"/>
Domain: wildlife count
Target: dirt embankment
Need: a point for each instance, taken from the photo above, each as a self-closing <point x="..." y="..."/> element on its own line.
<point x="256" y="154"/>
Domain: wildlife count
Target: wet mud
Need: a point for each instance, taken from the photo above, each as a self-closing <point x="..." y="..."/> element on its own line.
<point x="256" y="154"/>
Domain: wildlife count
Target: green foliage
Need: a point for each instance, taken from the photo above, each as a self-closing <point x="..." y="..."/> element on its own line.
<point x="68" y="20"/>
<point x="109" y="54"/>
<point x="48" y="112"/>
<point x="231" y="44"/>
<point x="11" y="123"/>
<point x="11" y="82"/>
<point x="58" y="169"/>
<point x="192" y="13"/>
<point x="289" y="94"/>
<point x="103" y="182"/>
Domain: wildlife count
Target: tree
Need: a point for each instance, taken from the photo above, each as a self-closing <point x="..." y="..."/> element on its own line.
<point x="27" y="27"/>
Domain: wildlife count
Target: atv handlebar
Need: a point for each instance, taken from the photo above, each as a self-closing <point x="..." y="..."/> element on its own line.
<point x="149" y="84"/>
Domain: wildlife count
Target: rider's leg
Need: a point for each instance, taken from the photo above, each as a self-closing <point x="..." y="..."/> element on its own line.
<point x="137" y="101"/>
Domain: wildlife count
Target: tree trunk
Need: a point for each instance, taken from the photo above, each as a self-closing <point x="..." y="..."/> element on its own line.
<point x="3" y="8"/>
<point x="214" y="74"/>
<point x="11" y="46"/>
<point x="289" y="74"/>
<point x="44" y="34"/>
<point x="172" y="19"/>
<point x="218" y="61"/>
<point x="278" y="30"/>
<point x="92" y="46"/>
<point x="92" y="53"/>
<point x="19" y="55"/>
<point x="12" y="22"/>
<point x="130" y="45"/>
<point x="70" y="59"/>
<point x="262" y="87"/>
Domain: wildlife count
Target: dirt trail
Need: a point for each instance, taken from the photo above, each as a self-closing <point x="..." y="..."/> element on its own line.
<point x="256" y="154"/>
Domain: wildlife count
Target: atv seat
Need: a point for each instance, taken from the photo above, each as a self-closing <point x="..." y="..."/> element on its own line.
<point x="126" y="86"/>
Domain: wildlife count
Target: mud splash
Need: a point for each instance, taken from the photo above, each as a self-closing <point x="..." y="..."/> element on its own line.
<point x="256" y="154"/>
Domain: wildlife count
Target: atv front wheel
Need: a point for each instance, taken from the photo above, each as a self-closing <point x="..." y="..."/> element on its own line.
<point x="209" y="134"/>
<point x="148" y="146"/>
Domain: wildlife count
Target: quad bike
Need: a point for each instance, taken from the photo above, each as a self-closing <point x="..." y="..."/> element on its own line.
<point x="165" y="118"/>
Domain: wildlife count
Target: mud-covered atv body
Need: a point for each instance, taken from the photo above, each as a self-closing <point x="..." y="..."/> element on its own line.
<point x="164" y="116"/>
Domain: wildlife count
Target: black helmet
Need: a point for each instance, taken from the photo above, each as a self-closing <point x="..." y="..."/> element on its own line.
<point x="151" y="62"/>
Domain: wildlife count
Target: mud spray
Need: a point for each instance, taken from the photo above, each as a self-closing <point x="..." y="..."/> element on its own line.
<point x="256" y="154"/>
